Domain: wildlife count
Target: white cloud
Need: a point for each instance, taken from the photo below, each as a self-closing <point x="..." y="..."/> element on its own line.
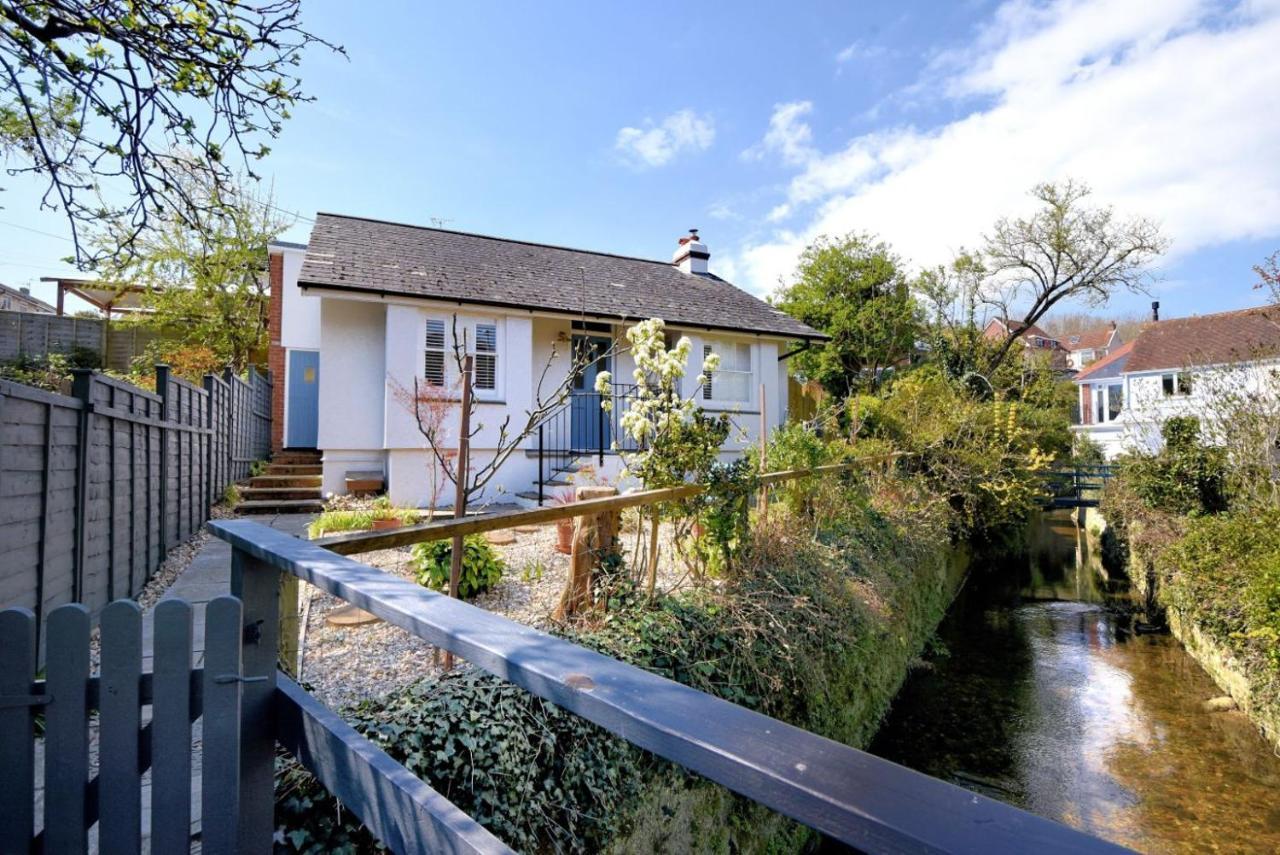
<point x="656" y="144"/>
<point x="860" y="50"/>
<point x="789" y="136"/>
<point x="1164" y="108"/>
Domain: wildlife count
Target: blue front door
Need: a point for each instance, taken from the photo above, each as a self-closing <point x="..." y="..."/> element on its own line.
<point x="590" y="422"/>
<point x="303" y="413"/>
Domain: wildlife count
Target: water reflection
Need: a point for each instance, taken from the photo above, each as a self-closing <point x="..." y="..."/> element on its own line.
<point x="1047" y="699"/>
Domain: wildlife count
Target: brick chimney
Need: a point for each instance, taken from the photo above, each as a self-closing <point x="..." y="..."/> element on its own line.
<point x="691" y="254"/>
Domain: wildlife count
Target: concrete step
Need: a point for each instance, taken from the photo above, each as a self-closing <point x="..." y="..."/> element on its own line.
<point x="293" y="469"/>
<point x="296" y="481"/>
<point x="253" y="494"/>
<point x="281" y="506"/>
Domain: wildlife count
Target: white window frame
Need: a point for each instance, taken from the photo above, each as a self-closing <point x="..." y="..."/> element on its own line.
<point x="709" y="396"/>
<point x="466" y="327"/>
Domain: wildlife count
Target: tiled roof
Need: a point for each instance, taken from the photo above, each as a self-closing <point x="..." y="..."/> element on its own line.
<point x="1089" y="339"/>
<point x="372" y="256"/>
<point x="1111" y="365"/>
<point x="1207" y="340"/>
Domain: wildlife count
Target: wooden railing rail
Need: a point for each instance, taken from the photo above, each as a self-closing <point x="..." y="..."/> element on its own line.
<point x="354" y="543"/>
<point x="862" y="800"/>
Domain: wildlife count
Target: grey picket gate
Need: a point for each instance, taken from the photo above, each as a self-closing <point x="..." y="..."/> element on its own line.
<point x="95" y="766"/>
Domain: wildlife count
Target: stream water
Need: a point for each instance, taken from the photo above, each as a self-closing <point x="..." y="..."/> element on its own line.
<point x="1041" y="694"/>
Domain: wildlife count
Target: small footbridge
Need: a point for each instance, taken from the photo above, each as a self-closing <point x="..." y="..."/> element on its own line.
<point x="1077" y="487"/>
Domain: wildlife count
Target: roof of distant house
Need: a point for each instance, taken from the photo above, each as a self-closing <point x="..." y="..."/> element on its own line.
<point x="1090" y="339"/>
<point x="1217" y="339"/>
<point x="1109" y="366"/>
<point x="372" y="256"/>
<point x="35" y="303"/>
<point x="1020" y="328"/>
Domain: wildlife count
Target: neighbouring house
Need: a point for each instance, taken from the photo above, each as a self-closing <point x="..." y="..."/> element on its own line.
<point x="1035" y="341"/>
<point x="1084" y="348"/>
<point x="20" y="300"/>
<point x="368" y="307"/>
<point x="1183" y="366"/>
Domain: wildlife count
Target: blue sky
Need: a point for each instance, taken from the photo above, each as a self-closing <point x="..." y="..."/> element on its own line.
<point x="616" y="127"/>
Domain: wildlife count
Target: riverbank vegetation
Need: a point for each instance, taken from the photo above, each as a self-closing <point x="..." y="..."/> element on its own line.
<point x="810" y="606"/>
<point x="1198" y="526"/>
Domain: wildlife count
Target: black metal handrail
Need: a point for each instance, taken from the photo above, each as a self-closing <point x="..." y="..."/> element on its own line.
<point x="582" y="427"/>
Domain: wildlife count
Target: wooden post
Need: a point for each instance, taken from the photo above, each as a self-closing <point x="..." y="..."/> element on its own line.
<point x="762" y="498"/>
<point x="257" y="584"/>
<point x="460" y="485"/>
<point x="593" y="537"/>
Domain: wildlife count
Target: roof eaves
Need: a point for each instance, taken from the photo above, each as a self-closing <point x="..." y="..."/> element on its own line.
<point x="790" y="335"/>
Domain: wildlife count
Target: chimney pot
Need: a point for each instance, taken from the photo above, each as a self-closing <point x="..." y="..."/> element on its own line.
<point x="691" y="253"/>
<point x="1155" y="310"/>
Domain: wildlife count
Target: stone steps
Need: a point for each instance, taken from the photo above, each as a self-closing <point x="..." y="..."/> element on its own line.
<point x="281" y="506"/>
<point x="268" y="481"/>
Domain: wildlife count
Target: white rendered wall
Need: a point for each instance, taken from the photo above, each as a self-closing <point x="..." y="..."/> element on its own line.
<point x="299" y="313"/>
<point x="352" y="380"/>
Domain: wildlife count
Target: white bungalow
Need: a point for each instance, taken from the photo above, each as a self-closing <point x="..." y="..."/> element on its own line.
<point x="1182" y="366"/>
<point x="368" y="307"/>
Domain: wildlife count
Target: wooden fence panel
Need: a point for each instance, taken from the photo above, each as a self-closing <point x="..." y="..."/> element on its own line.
<point x="96" y="487"/>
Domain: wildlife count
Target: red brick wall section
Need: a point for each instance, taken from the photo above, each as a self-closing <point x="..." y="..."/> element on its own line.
<point x="275" y="352"/>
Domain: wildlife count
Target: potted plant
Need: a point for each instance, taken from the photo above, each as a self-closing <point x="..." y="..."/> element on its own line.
<point x="564" y="527"/>
<point x="387" y="516"/>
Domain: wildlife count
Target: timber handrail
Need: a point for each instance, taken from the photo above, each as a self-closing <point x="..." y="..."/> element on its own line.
<point x="869" y="803"/>
<point x="354" y="543"/>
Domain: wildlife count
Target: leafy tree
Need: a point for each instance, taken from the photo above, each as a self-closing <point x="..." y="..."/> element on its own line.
<point x="205" y="287"/>
<point x="111" y="90"/>
<point x="853" y="289"/>
<point x="1066" y="250"/>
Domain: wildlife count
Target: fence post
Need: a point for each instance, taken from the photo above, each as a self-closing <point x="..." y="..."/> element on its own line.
<point x="257" y="585"/>
<point x="162" y="389"/>
<point x="82" y="388"/>
<point x="227" y="377"/>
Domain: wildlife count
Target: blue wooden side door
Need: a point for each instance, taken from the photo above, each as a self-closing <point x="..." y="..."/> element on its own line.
<point x="304" y="398"/>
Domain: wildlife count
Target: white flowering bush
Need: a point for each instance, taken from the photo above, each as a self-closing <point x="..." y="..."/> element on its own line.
<point x="661" y="420"/>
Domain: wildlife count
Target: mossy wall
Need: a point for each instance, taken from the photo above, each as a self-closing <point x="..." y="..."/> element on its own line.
<point x="684" y="813"/>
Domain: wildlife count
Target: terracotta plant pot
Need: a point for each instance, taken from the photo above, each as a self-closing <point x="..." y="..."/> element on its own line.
<point x="386" y="524"/>
<point x="564" y="536"/>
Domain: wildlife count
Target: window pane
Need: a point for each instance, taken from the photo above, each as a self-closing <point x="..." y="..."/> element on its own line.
<point x="435" y="334"/>
<point x="733" y="386"/>
<point x="435" y="368"/>
<point x="706" y="387"/>
<point x="1166" y="381"/>
<point x="1115" y="401"/>
<point x="486" y="338"/>
<point x="486" y="371"/>
<point x="1184" y="383"/>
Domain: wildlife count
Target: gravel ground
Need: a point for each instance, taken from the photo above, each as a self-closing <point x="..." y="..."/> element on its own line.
<point x="344" y="665"/>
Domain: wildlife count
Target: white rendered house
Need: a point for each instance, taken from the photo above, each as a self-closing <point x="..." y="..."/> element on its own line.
<point x="1179" y="367"/>
<point x="382" y="303"/>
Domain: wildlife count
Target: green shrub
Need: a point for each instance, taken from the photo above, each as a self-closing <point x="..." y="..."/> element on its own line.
<point x="481" y="566"/>
<point x="1185" y="477"/>
<point x="1225" y="571"/>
